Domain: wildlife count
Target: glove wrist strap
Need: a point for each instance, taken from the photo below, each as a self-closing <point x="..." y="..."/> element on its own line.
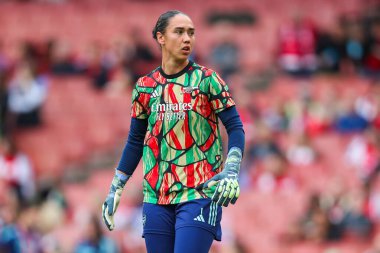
<point x="121" y="178"/>
<point x="234" y="159"/>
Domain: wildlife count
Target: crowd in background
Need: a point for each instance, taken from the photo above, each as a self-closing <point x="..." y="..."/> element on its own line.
<point x="351" y="47"/>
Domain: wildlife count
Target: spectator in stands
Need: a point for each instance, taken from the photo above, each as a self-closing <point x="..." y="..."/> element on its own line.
<point x="271" y="171"/>
<point x="3" y="103"/>
<point x="52" y="213"/>
<point x="143" y="59"/>
<point x="297" y="46"/>
<point x="38" y="55"/>
<point x="368" y="105"/>
<point x="363" y="154"/>
<point x="98" y="66"/>
<point x="16" y="169"/>
<point x="4" y="71"/>
<point x="274" y="116"/>
<point x="372" y="103"/>
<point x="264" y="143"/>
<point x="347" y="119"/>
<point x="320" y="113"/>
<point x="10" y="240"/>
<point x="313" y="225"/>
<point x="354" y="43"/>
<point x="225" y="54"/>
<point x="295" y="111"/>
<point x="143" y="51"/>
<point x="28" y="52"/>
<point x="331" y="215"/>
<point x="331" y="49"/>
<point x="94" y="241"/>
<point x="51" y="192"/>
<point x="125" y="48"/>
<point x="27" y="94"/>
<point x="27" y="223"/>
<point x="372" y="52"/>
<point x="20" y="225"/>
<point x="274" y="176"/>
<point x="62" y="59"/>
<point x="334" y="205"/>
<point x="50" y="220"/>
<point x="356" y="222"/>
<point x="301" y="151"/>
<point x="374" y="198"/>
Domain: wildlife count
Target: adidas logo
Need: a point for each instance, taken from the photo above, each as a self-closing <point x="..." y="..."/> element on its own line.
<point x="200" y="217"/>
<point x="144" y="220"/>
<point x="154" y="94"/>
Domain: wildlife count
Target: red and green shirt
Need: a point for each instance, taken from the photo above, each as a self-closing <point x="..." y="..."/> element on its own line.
<point x="182" y="146"/>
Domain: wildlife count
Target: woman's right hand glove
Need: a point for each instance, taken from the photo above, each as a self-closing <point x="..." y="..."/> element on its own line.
<point x="112" y="201"/>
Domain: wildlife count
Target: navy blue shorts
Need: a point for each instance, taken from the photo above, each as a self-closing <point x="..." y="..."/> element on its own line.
<point x="166" y="219"/>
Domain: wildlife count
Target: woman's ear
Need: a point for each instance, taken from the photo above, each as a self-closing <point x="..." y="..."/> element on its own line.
<point x="160" y="38"/>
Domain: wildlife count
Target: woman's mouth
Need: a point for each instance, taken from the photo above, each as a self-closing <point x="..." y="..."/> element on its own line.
<point x="186" y="49"/>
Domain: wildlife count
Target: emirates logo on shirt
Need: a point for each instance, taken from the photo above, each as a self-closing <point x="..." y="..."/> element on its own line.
<point x="171" y="107"/>
<point x="171" y="111"/>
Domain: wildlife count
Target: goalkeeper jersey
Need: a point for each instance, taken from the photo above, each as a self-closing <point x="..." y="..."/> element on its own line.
<point x="182" y="146"/>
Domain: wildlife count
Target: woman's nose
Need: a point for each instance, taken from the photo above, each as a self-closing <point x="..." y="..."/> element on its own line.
<point x="186" y="37"/>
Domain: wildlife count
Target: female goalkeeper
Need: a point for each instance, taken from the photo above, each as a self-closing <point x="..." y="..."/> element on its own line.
<point x="174" y="127"/>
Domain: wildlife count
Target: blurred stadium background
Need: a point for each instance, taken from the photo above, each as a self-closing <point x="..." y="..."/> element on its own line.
<point x="305" y="78"/>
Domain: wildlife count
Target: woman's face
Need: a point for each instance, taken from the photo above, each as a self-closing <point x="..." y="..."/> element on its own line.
<point x="179" y="37"/>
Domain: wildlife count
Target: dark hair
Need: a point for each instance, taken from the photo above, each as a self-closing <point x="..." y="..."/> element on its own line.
<point x="163" y="22"/>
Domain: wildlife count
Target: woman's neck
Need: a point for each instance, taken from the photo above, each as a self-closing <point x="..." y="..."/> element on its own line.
<point x="171" y="67"/>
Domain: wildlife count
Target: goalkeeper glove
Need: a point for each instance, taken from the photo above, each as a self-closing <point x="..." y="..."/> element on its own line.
<point x="227" y="189"/>
<point x="112" y="201"/>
